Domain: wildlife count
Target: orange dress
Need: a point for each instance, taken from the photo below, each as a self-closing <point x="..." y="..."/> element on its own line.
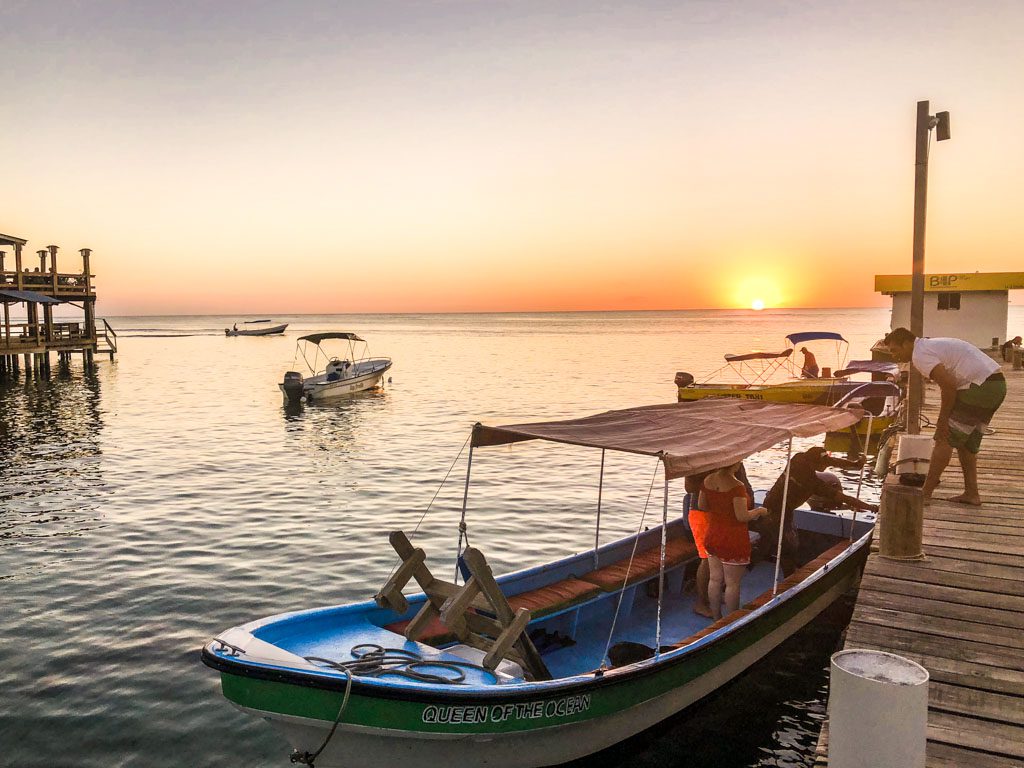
<point x="726" y="537"/>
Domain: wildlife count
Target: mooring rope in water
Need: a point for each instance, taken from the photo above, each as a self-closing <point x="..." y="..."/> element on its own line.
<point x="372" y="660"/>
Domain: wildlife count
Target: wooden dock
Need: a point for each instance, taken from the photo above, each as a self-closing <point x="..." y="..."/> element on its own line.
<point x="38" y="292"/>
<point x="960" y="613"/>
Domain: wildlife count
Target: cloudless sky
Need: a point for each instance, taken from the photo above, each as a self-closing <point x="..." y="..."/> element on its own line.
<point x="463" y="156"/>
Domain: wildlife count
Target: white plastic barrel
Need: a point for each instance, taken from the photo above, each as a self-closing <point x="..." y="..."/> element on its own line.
<point x="913" y="454"/>
<point x="878" y="711"/>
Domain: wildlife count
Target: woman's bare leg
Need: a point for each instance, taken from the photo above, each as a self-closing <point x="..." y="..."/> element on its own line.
<point x="733" y="577"/>
<point x="716" y="586"/>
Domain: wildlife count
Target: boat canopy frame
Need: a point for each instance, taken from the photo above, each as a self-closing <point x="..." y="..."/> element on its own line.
<point x="688" y="438"/>
<point x="314" y="340"/>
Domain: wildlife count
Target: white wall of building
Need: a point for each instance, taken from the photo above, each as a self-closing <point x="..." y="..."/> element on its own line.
<point x="981" y="317"/>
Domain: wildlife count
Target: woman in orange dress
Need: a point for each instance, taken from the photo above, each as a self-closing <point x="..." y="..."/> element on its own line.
<point x="727" y="541"/>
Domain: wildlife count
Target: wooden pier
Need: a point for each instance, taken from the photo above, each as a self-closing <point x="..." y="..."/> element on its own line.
<point x="41" y="289"/>
<point x="960" y="612"/>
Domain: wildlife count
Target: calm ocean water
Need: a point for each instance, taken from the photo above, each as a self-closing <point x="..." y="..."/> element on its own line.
<point x="170" y="495"/>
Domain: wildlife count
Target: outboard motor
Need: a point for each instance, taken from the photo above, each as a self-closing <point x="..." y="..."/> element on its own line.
<point x="683" y="379"/>
<point x="292" y="386"/>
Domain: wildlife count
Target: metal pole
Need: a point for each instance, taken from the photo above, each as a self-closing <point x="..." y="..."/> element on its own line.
<point x="462" y="520"/>
<point x="917" y="278"/>
<point x="782" y="520"/>
<point x="597" y="531"/>
<point x="860" y="477"/>
<point x="661" y="571"/>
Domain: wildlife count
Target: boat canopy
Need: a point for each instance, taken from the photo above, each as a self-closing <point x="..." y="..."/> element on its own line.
<point x="800" y="338"/>
<point x="316" y="338"/>
<point x="869" y="366"/>
<point x="758" y="356"/>
<point x="689" y="437"/>
<point x="37" y="298"/>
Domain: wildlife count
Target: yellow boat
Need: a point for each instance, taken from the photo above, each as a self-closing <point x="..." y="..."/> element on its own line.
<point x="757" y="369"/>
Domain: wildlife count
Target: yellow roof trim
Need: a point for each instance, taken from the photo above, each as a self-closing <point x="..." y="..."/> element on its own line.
<point x="953" y="281"/>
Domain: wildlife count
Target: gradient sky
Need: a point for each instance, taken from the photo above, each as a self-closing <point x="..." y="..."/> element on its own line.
<point x="462" y="156"/>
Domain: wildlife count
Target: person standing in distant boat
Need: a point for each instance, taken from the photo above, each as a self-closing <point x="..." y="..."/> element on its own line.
<point x="234" y="327"/>
<point x="810" y="369"/>
<point x="972" y="387"/>
<point x="727" y="540"/>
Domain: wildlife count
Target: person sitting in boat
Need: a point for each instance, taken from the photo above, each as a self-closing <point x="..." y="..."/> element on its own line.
<point x="697" y="519"/>
<point x="810" y="369"/>
<point x="803" y="484"/>
<point x="234" y="327"/>
<point x="727" y="540"/>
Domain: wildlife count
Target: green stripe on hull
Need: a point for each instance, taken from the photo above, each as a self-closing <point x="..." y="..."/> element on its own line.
<point x="497" y="715"/>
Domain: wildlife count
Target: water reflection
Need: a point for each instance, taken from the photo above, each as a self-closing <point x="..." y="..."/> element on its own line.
<point x="51" y="479"/>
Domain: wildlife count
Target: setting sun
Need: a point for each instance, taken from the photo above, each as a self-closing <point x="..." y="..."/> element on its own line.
<point x="757" y="304"/>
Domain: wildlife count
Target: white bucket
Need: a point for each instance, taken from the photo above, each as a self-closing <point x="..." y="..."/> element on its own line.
<point x="913" y="454"/>
<point x="878" y="711"/>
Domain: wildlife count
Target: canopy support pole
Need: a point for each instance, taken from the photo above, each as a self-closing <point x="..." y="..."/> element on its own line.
<point x="597" y="531"/>
<point x="860" y="477"/>
<point x="782" y="520"/>
<point x="462" y="520"/>
<point x="661" y="571"/>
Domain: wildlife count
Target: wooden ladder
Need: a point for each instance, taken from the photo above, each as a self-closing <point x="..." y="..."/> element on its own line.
<point x="476" y="612"/>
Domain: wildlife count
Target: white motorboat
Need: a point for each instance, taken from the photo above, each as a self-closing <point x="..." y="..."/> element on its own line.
<point x="354" y="372"/>
<point x="270" y="330"/>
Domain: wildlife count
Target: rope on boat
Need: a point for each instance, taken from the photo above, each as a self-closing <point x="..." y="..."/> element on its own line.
<point x="629" y="566"/>
<point x="372" y="660"/>
<point x="434" y="498"/>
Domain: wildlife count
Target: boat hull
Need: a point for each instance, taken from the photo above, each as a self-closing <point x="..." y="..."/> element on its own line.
<point x="257" y="332"/>
<point x="522" y="726"/>
<point x="811" y="391"/>
<point x="315" y="390"/>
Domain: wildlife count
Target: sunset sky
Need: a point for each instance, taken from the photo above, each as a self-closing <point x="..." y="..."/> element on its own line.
<point x="464" y="156"/>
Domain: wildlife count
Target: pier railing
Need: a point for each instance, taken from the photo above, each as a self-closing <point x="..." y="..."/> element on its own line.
<point x="24" y="336"/>
<point x="50" y="283"/>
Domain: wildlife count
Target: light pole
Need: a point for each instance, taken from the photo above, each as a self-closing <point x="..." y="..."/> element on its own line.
<point x="925" y="123"/>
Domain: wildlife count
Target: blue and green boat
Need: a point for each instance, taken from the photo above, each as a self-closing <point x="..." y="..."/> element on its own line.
<point x="551" y="663"/>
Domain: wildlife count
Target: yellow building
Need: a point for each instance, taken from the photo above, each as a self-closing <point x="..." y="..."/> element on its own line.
<point x="964" y="305"/>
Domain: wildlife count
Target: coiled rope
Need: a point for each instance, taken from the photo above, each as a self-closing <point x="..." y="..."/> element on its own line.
<point x="372" y="660"/>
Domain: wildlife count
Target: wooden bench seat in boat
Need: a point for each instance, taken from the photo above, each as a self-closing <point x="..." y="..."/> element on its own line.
<point x="571" y="591"/>
<point x="646" y="564"/>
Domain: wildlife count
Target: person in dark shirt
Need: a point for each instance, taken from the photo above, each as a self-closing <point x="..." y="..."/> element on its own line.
<point x="803" y="484"/>
<point x="1008" y="346"/>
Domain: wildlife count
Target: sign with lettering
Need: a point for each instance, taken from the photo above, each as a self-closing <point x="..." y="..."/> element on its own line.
<point x="500" y="713"/>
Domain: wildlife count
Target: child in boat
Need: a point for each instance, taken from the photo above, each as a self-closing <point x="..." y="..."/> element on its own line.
<point x="727" y="540"/>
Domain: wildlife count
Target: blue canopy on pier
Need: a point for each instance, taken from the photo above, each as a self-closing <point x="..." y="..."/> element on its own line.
<point x="36" y="298"/>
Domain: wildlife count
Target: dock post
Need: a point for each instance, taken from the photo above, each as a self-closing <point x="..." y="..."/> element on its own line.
<point x="1016" y="359"/>
<point x="900" y="521"/>
<point x="878" y="711"/>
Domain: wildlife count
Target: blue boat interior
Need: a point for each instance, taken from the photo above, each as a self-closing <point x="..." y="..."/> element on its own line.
<point x="574" y="603"/>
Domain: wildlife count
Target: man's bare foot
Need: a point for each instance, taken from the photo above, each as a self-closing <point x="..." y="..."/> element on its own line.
<point x="963" y="498"/>
<point x="703" y="610"/>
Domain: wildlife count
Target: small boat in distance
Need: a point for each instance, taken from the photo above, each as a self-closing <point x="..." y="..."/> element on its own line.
<point x="553" y="662"/>
<point x="354" y="372"/>
<point x="268" y="331"/>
